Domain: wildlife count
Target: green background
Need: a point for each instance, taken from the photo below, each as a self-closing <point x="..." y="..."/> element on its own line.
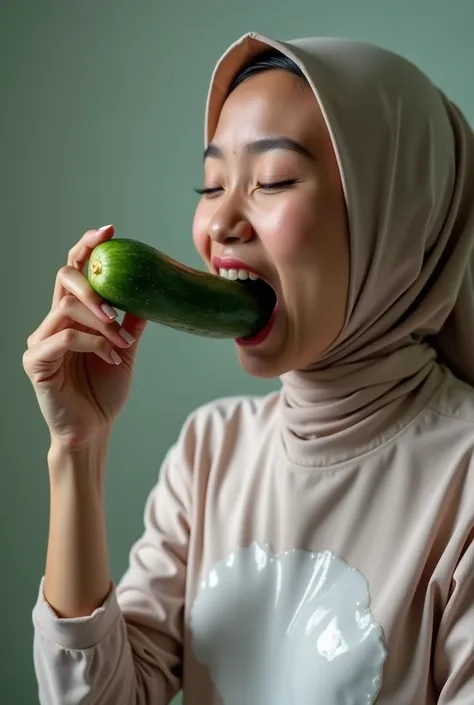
<point x="101" y="115"/>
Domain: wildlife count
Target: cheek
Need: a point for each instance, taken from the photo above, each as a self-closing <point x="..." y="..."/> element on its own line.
<point x="290" y="231"/>
<point x="304" y="229"/>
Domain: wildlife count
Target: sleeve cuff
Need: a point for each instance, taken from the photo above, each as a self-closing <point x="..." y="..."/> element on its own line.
<point x="77" y="633"/>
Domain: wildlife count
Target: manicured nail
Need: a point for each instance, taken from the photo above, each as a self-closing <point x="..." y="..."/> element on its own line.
<point x="104" y="227"/>
<point x="115" y="357"/>
<point x="126" y="336"/>
<point x="109" y="311"/>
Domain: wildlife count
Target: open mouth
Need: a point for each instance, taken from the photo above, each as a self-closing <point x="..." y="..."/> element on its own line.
<point x="263" y="292"/>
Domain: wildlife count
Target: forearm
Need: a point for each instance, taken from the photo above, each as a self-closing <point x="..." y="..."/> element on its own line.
<point x="77" y="577"/>
<point x="129" y="650"/>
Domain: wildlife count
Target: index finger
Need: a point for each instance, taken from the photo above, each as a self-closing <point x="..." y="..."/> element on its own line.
<point x="80" y="253"/>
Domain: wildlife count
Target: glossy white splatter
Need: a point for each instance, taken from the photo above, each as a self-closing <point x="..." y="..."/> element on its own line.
<point x="290" y="629"/>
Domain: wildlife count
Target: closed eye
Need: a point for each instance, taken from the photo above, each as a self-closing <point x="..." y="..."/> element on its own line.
<point x="275" y="185"/>
<point x="208" y="191"/>
<point x="278" y="184"/>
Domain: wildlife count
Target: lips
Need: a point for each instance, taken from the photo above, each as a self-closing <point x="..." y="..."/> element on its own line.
<point x="241" y="270"/>
<point x="262" y="335"/>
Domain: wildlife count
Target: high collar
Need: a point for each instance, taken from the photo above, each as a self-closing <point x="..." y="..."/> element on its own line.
<point x="331" y="415"/>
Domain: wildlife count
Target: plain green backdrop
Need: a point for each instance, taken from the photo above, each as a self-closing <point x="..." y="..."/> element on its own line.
<point x="102" y="108"/>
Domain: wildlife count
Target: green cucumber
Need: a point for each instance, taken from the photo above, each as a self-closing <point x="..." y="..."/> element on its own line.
<point x="139" y="279"/>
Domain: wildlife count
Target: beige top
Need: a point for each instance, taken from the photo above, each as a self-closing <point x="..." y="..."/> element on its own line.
<point x="261" y="578"/>
<point x="317" y="545"/>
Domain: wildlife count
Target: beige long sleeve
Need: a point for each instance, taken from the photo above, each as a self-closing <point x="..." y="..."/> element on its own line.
<point x="128" y="651"/>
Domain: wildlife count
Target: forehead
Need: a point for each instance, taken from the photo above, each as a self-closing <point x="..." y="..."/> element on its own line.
<point x="272" y="102"/>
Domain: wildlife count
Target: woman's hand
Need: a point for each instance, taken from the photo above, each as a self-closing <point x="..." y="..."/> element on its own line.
<point x="80" y="359"/>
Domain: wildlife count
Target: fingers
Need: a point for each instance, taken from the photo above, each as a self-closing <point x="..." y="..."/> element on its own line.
<point x="74" y="282"/>
<point x="134" y="325"/>
<point x="79" y="254"/>
<point x="71" y="310"/>
<point x="37" y="361"/>
<point x="80" y="320"/>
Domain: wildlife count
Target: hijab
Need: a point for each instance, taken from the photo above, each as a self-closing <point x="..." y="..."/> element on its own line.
<point x="406" y="158"/>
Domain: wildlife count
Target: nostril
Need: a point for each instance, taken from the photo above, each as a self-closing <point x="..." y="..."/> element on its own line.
<point x="241" y="231"/>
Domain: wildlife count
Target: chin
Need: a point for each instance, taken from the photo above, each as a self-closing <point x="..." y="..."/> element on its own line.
<point x="261" y="366"/>
<point x="272" y="355"/>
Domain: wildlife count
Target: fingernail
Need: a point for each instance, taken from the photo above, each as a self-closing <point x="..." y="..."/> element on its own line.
<point x="115" y="357"/>
<point x="109" y="311"/>
<point x="126" y="336"/>
<point x="104" y="227"/>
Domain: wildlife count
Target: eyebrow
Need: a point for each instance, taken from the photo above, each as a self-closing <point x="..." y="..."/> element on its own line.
<point x="261" y="146"/>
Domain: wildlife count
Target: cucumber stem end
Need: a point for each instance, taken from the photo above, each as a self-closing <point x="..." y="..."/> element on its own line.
<point x="96" y="267"/>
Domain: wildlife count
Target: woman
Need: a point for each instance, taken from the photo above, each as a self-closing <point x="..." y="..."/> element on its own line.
<point x="314" y="545"/>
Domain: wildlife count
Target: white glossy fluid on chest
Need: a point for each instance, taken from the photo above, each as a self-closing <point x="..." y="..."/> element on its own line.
<point x="289" y="629"/>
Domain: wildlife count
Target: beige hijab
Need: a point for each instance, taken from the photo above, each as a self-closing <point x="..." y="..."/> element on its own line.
<point x="406" y="158"/>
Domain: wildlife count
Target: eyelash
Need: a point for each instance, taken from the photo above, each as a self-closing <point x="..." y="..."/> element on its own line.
<point x="269" y="187"/>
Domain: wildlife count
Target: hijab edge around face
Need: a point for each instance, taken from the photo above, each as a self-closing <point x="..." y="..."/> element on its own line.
<point x="455" y="343"/>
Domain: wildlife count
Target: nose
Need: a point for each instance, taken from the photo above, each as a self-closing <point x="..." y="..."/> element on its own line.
<point x="226" y="227"/>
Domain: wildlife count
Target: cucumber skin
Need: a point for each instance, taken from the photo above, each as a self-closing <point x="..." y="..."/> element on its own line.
<point x="139" y="279"/>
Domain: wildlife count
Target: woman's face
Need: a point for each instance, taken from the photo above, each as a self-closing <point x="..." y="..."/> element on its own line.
<point x="277" y="209"/>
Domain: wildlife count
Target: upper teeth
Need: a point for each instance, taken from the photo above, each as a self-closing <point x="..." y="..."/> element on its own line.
<point x="237" y="274"/>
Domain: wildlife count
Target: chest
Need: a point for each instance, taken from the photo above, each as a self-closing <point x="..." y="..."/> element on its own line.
<point x="289" y="628"/>
<point x="312" y="594"/>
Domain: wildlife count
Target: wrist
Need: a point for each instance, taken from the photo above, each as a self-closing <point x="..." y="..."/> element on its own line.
<point x="82" y="465"/>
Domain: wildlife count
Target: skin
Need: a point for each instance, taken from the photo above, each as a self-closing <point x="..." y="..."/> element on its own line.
<point x="295" y="236"/>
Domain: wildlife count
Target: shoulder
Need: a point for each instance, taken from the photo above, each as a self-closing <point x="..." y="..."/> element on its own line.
<point x="227" y="421"/>
<point x="235" y="408"/>
<point x="454" y="402"/>
<point x="444" y="443"/>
